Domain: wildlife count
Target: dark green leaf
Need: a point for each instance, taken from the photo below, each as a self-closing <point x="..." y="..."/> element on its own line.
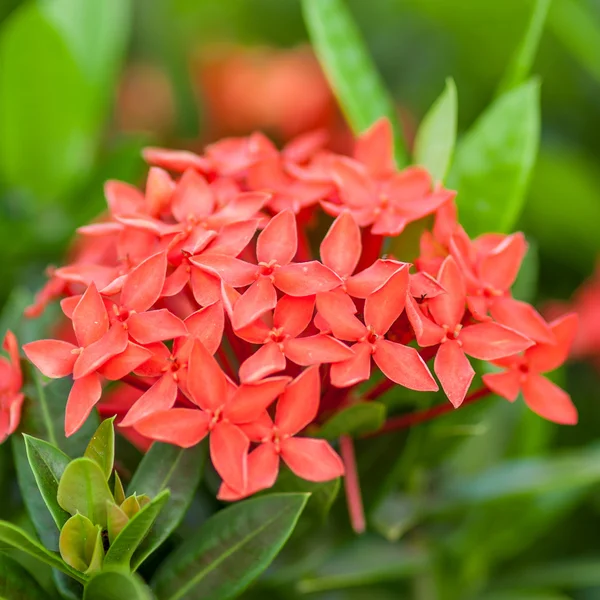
<point x="357" y="419"/>
<point x="13" y="537"/>
<point x="16" y="583"/>
<point x="101" y="448"/>
<point x="349" y="69"/>
<point x="116" y="585"/>
<point x="81" y="544"/>
<point x="436" y="136"/>
<point x="230" y="550"/>
<point x="132" y="535"/>
<point x="47" y="464"/>
<point x="83" y="489"/>
<point x="167" y="467"/>
<point x="494" y="160"/>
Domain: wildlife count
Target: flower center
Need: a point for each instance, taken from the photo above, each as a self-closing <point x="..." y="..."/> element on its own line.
<point x="267" y="269"/>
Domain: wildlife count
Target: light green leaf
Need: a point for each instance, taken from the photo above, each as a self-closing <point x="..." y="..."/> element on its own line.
<point x="131" y="536"/>
<point x="357" y="419"/>
<point x="167" y="467"/>
<point x="116" y="519"/>
<point x="12" y="536"/>
<point x="230" y="550"/>
<point x="350" y="71"/>
<point x="16" y="583"/>
<point x="119" y="491"/>
<point x="101" y="448"/>
<point x="494" y="160"/>
<point x="116" y="585"/>
<point x="83" y="489"/>
<point x="436" y="136"/>
<point x="81" y="544"/>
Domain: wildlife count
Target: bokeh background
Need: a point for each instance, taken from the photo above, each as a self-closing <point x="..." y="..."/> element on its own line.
<point x="82" y="93"/>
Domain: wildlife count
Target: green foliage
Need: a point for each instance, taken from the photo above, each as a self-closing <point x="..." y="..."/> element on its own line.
<point x="17" y="584"/>
<point x="101" y="448"/>
<point x="116" y="585"/>
<point x="356" y="419"/>
<point x="81" y="544"/>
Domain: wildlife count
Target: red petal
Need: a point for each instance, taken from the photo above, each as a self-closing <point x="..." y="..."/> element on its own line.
<point x="122" y="364"/>
<point x="371" y="279"/>
<point x="11" y="346"/>
<point x="426" y="331"/>
<point x="341" y="248"/>
<point x="354" y="370"/>
<point x="143" y="285"/>
<point x="355" y="188"/>
<point x="67" y="305"/>
<point x="184" y="427"/>
<point x="299" y="404"/>
<point x="423" y="285"/>
<point x="500" y="267"/>
<point x="54" y="358"/>
<point x="206" y="382"/>
<point x="389" y="223"/>
<point x="251" y="399"/>
<point x="293" y="314"/>
<point x="506" y="384"/>
<point x="155" y="365"/>
<point x="206" y="287"/>
<point x="233" y="238"/>
<point x="176" y="281"/>
<point x="175" y="160"/>
<point x="404" y="366"/>
<point x="305" y="279"/>
<point x="229" y="454"/>
<point x="233" y="271"/>
<point x="316" y="350"/>
<point x="84" y="395"/>
<point x="245" y="206"/>
<point x="159" y="188"/>
<point x="206" y="326"/>
<point x="311" y="459"/>
<point x="385" y="305"/>
<point x="548" y="400"/>
<point x="123" y="198"/>
<point x="454" y="371"/>
<point x="155" y="326"/>
<point x="95" y="355"/>
<point x="278" y="241"/>
<point x="489" y="341"/>
<point x="375" y="148"/>
<point x="522" y="317"/>
<point x="160" y="397"/>
<point x="547" y="357"/>
<point x="449" y="308"/>
<point x="90" y="320"/>
<point x="334" y="308"/>
<point x="258" y="299"/>
<point x="192" y="198"/>
<point x="265" y="361"/>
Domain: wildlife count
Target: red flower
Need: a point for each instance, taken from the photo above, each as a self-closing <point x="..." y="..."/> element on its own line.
<point x="11" y="380"/>
<point x="524" y="374"/>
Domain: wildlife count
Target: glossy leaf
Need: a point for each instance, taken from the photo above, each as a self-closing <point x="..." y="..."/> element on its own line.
<point x="16" y="583"/>
<point x="131" y="536"/>
<point x="494" y="160"/>
<point x="101" y="448"/>
<point x="349" y="68"/>
<point x="83" y="489"/>
<point x="81" y="544"/>
<point x="167" y="467"/>
<point x="357" y="419"/>
<point x="230" y="550"/>
<point x="12" y="536"/>
<point x="434" y="144"/>
<point x="116" y="585"/>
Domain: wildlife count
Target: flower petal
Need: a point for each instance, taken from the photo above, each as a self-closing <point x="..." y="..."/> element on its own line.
<point x="489" y="341"/>
<point x="155" y="326"/>
<point x="522" y="317"/>
<point x="90" y="319"/>
<point x="312" y="459"/>
<point x="500" y="267"/>
<point x="144" y="284"/>
<point x="449" y="308"/>
<point x="233" y="271"/>
<point x="316" y="350"/>
<point x="268" y="359"/>
<point x="192" y="197"/>
<point x="454" y="371"/>
<point x="278" y="241"/>
<point x="123" y="198"/>
<point x="426" y="331"/>
<point x="506" y="384"/>
<point x="183" y="427"/>
<point x="84" y="395"/>
<point x="375" y="148"/>
<point x="366" y="282"/>
<point x="160" y="397"/>
<point x="95" y="355"/>
<point x="354" y="185"/>
<point x="54" y="358"/>
<point x="206" y="381"/>
<point x="206" y="286"/>
<point x="548" y="400"/>
<point x="542" y="358"/>
<point x="354" y="370"/>
<point x="293" y="314"/>
<point x="299" y="404"/>
<point x="384" y="306"/>
<point x="233" y="238"/>
<point x="229" y="454"/>
<point x="305" y="279"/>
<point x="131" y="358"/>
<point x="250" y="400"/>
<point x="404" y="366"/>
<point x="258" y="299"/>
<point x="339" y="315"/>
<point x="206" y="325"/>
<point x="341" y="248"/>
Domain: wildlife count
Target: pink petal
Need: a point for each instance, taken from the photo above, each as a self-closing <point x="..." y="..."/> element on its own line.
<point x="206" y="287"/>
<point x="489" y="341"/>
<point x="316" y="350"/>
<point x="478" y="307"/>
<point x="54" y="358"/>
<point x="123" y="198"/>
<point x="206" y="325"/>
<point x="175" y="160"/>
<point x="522" y="317"/>
<point x="265" y="361"/>
<point x="192" y="198"/>
<point x="84" y="395"/>
<point x="233" y="271"/>
<point x="143" y="285"/>
<point x="384" y="306"/>
<point x="375" y="148"/>
<point x="449" y="308"/>
<point x="341" y="248"/>
<point x="548" y="400"/>
<point x="338" y="314"/>
<point x="176" y="281"/>
<point x="229" y="454"/>
<point x="184" y="427"/>
<point x="355" y="188"/>
<point x="155" y="365"/>
<point x="547" y="357"/>
<point x="155" y="326"/>
<point x="506" y="384"/>
<point x="312" y="459"/>
<point x="293" y="314"/>
<point x="299" y="404"/>
<point x="159" y="189"/>
<point x="305" y="279"/>
<point x="245" y="206"/>
<point x="233" y="238"/>
<point x="353" y="370"/>
<point x="278" y="241"/>
<point x="131" y="358"/>
<point x="67" y="305"/>
<point x="160" y="397"/>
<point x="250" y="400"/>
<point x="404" y="366"/>
<point x="426" y="331"/>
<point x="90" y="320"/>
<point x="500" y="267"/>
<point x="95" y="355"/>
<point x="423" y="285"/>
<point x="389" y="223"/>
<point x="258" y="299"/>
<point x="454" y="371"/>
<point x="371" y="279"/>
<point x="207" y="384"/>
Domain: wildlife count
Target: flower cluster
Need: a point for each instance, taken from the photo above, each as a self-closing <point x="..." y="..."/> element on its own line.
<point x="11" y="380"/>
<point x="204" y="293"/>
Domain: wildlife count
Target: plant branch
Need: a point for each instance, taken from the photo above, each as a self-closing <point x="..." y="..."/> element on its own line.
<point x="352" y="485"/>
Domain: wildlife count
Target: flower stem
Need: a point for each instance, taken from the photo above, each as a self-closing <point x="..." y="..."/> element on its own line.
<point x="352" y="485"/>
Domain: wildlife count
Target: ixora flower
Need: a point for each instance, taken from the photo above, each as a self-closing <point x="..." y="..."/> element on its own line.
<point x="11" y="380"/>
<point x="205" y="304"/>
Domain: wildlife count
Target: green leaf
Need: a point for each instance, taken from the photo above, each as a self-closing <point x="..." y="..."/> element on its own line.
<point x="47" y="464"/>
<point x="81" y="544"/>
<point x="350" y="71"/>
<point x="119" y="491"/>
<point x="16" y="583"/>
<point x="116" y="585"/>
<point x="134" y="532"/>
<point x="12" y="536"/>
<point x="357" y="419"/>
<point x="167" y="467"/>
<point x="230" y="550"/>
<point x="101" y="448"/>
<point x="436" y="136"/>
<point x="116" y="519"/>
<point x="494" y="160"/>
<point x="520" y="65"/>
<point x="83" y="489"/>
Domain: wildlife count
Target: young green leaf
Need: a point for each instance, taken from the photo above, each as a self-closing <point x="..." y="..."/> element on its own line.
<point x="119" y="491"/>
<point x="81" y="544"/>
<point x="116" y="519"/>
<point x="494" y="161"/>
<point x="102" y="446"/>
<point x="350" y="71"/>
<point x="167" y="467"/>
<point x="132" y="534"/>
<point x="47" y="464"/>
<point x="116" y="585"/>
<point x="16" y="538"/>
<point x="83" y="489"/>
<point x="436" y="136"/>
<point x="230" y="550"/>
<point x="354" y="420"/>
<point x="16" y="583"/>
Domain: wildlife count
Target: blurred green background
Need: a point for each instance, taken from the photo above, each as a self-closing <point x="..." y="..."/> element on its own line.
<point x="85" y="85"/>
